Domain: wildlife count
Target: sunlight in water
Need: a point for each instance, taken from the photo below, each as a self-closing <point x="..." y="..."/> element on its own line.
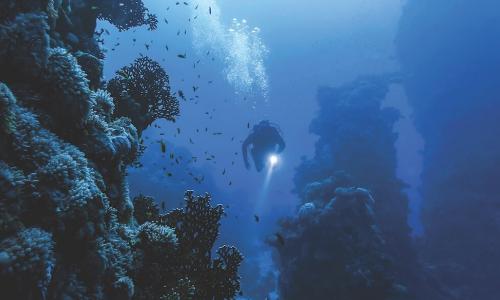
<point x="237" y="44"/>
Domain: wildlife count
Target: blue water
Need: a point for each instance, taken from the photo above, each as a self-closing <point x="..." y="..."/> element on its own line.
<point x="266" y="60"/>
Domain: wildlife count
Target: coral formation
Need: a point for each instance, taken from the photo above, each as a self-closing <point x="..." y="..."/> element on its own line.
<point x="355" y="149"/>
<point x="336" y="249"/>
<point x="27" y="261"/>
<point x="125" y="14"/>
<point x="142" y="92"/>
<point x="186" y="270"/>
<point x="67" y="225"/>
<point x="356" y="136"/>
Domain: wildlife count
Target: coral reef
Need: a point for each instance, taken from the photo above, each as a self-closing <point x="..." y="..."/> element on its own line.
<point x="366" y="249"/>
<point x="27" y="262"/>
<point x="335" y="248"/>
<point x="125" y="14"/>
<point x="186" y="271"/>
<point x="142" y="92"/>
<point x="67" y="225"/>
<point x="356" y="136"/>
<point x="453" y="88"/>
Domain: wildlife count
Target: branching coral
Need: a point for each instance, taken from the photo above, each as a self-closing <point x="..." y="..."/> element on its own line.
<point x="126" y="14"/>
<point x="142" y="93"/>
<point x="188" y="271"/>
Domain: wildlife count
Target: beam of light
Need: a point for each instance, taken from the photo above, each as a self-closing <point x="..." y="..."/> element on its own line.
<point x="273" y="160"/>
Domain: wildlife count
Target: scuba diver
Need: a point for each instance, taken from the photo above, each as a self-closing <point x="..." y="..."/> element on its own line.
<point x="265" y="140"/>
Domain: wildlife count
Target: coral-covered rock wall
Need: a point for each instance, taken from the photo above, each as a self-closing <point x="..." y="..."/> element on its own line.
<point x="68" y="228"/>
<point x="366" y="251"/>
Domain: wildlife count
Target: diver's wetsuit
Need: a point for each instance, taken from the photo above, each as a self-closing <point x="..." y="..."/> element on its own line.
<point x="265" y="140"/>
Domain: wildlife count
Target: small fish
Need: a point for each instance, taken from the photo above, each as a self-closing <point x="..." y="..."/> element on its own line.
<point x="169" y="174"/>
<point x="181" y="94"/>
<point x="147" y="46"/>
<point x="280" y="239"/>
<point x="248" y="125"/>
<point x="178" y="130"/>
<point x="224" y="172"/>
<point x="230" y="183"/>
<point x="191" y="141"/>
<point x="185" y="3"/>
<point x="217" y="133"/>
<point x="196" y="7"/>
<point x="166" y="47"/>
<point x="257" y="219"/>
<point x="181" y="55"/>
<point x="166" y="21"/>
<point x="210" y="10"/>
<point x="163" y="146"/>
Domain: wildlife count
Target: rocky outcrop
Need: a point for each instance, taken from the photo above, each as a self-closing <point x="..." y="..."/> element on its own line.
<point x="67" y="228"/>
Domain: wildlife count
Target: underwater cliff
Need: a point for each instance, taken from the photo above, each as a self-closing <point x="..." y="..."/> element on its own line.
<point x="351" y="228"/>
<point x="452" y="84"/>
<point x="69" y="229"/>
